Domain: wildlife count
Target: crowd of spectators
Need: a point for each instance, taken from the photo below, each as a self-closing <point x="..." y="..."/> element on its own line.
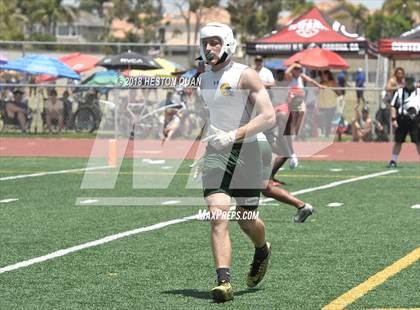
<point x="324" y="108"/>
<point x="326" y="97"/>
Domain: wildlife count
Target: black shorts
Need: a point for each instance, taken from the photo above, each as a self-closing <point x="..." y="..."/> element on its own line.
<point x="407" y="126"/>
<point x="235" y="171"/>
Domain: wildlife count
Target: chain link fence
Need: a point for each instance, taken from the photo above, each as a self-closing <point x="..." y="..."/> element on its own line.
<point x="146" y="112"/>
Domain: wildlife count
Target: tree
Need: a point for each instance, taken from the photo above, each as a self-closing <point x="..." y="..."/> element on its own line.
<point x="395" y="17"/>
<point x="147" y="15"/>
<point x="188" y="7"/>
<point x="199" y="7"/>
<point x="380" y="25"/>
<point x="122" y="8"/>
<point x="92" y="6"/>
<point x="299" y="8"/>
<point x="11" y="21"/>
<point x="405" y="8"/>
<point x="252" y="19"/>
<point x="359" y="14"/>
<point x="45" y="12"/>
<point x="240" y="14"/>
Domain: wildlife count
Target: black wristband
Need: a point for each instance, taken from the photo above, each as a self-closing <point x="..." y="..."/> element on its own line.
<point x="393" y="118"/>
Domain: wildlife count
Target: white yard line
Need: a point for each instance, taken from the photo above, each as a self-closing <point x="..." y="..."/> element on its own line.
<point x="39" y="174"/>
<point x="9" y="200"/>
<point x="334" y="184"/>
<point x="91" y="244"/>
<point x="110" y="238"/>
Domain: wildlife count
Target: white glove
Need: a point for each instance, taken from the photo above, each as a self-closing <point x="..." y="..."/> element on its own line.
<point x="220" y="139"/>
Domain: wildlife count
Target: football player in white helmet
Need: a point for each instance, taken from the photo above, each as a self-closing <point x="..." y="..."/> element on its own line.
<point x="239" y="108"/>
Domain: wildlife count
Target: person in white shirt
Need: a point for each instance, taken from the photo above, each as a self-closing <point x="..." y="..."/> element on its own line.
<point x="265" y="74"/>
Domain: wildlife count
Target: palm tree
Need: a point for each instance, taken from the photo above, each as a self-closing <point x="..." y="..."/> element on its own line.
<point x="49" y="12"/>
<point x="301" y="7"/>
<point x="358" y="14"/>
<point x="11" y="21"/>
<point x="406" y="8"/>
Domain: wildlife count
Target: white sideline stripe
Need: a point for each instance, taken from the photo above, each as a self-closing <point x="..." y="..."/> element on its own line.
<point x="335" y="204"/>
<point x="110" y="238"/>
<point x="9" y="200"/>
<point x="39" y="174"/>
<point x="87" y="201"/>
<point x="93" y="244"/>
<point x="334" y="184"/>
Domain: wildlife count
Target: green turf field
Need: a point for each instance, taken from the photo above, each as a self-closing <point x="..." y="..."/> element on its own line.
<point x="172" y="267"/>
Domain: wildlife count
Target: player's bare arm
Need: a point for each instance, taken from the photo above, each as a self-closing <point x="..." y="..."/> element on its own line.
<point x="259" y="97"/>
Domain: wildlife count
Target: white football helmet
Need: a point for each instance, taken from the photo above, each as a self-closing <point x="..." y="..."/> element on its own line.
<point x="225" y="33"/>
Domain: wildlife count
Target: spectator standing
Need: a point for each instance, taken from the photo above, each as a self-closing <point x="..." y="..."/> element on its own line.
<point x="341" y="82"/>
<point x="382" y="124"/>
<point x="67" y="108"/>
<point x="297" y="78"/>
<point x="360" y="83"/>
<point x="328" y="101"/>
<point x="396" y="82"/>
<point x="265" y="74"/>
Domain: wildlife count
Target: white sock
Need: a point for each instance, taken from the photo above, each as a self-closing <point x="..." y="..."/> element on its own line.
<point x="394" y="157"/>
<point x="293" y="161"/>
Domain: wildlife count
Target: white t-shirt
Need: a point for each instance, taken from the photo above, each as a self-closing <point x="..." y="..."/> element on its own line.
<point x="266" y="75"/>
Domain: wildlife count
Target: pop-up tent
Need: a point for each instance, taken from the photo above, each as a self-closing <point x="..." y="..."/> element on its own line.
<point x="311" y="28"/>
<point x="406" y="45"/>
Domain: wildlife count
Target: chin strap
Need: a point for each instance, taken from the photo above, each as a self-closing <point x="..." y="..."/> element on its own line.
<point x="222" y="59"/>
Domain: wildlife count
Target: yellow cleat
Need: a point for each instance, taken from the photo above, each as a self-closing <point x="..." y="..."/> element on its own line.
<point x="258" y="269"/>
<point x="222" y="292"/>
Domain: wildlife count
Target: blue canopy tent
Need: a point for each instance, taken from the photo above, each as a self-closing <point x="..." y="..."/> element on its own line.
<point x="41" y="64"/>
<point x="275" y="64"/>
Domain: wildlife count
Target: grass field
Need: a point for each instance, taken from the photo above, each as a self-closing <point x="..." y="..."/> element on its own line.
<point x="172" y="267"/>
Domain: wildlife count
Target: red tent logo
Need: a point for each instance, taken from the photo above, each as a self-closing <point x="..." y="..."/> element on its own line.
<point x="307" y="27"/>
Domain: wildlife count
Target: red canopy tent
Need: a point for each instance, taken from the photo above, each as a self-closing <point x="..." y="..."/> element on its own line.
<point x="405" y="46"/>
<point x="311" y="28"/>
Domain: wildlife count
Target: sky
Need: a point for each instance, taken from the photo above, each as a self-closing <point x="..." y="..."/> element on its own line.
<point x="370" y="4"/>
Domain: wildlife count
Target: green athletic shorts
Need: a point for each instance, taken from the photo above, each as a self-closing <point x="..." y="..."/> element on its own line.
<point x="235" y="171"/>
<point x="266" y="156"/>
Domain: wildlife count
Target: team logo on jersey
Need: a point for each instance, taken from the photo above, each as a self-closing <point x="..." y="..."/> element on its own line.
<point x="226" y="89"/>
<point x="308" y="27"/>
